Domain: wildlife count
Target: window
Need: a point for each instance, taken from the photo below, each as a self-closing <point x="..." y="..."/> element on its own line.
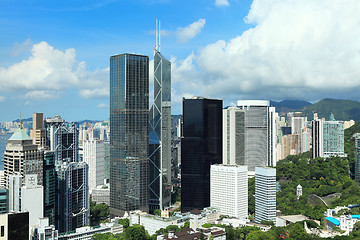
<point x="2" y="232"/>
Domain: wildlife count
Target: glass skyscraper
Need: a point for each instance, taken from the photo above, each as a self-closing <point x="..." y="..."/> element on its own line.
<point x="129" y="138"/>
<point x="201" y="147"/>
<point x="160" y="135"/>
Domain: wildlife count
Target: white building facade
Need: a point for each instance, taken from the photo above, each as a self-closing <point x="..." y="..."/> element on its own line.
<point x="229" y="190"/>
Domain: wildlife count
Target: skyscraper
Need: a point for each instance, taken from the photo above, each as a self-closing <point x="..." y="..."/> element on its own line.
<point x="265" y="194"/>
<point x="94" y="157"/>
<point x="260" y="133"/>
<point x="73" y="207"/>
<point x="233" y="136"/>
<point x="160" y="135"/>
<point x="49" y="183"/>
<point x="22" y="156"/>
<point x="38" y="131"/>
<point x="200" y="148"/>
<point x="129" y="137"/>
<point x="328" y="138"/>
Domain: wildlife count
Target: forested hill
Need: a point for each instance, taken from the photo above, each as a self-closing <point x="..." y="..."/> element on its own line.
<point x="344" y="110"/>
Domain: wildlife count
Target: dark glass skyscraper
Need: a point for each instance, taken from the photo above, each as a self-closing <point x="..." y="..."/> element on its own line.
<point x="129" y="138"/>
<point x="200" y="148"/>
<point x="49" y="183"/>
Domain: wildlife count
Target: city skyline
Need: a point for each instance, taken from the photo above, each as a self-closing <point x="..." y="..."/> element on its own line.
<point x="54" y="56"/>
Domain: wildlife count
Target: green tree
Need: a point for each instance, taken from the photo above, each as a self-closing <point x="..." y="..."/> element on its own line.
<point x="98" y="212"/>
<point x="135" y="232"/>
<point x="157" y="212"/>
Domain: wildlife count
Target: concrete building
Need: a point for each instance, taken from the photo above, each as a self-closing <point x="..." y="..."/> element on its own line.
<point x="297" y="122"/>
<point x="201" y="147"/>
<point x="22" y="156"/>
<point x="229" y="190"/>
<point x="233" y="136"/>
<point x="14" y="226"/>
<point x="94" y="151"/>
<point x="265" y="194"/>
<point x="86" y="233"/>
<point x="101" y="195"/>
<point x="129" y="133"/>
<point x="73" y="210"/>
<point x="260" y="132"/>
<point x="328" y="138"/>
<point x="160" y="135"/>
<point x="45" y="231"/>
<point x="38" y="134"/>
<point x="32" y="199"/>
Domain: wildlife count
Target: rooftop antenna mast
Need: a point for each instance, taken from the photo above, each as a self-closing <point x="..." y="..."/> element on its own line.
<point x="157" y="33"/>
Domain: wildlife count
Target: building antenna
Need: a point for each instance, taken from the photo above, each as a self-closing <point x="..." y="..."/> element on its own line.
<point x="156" y="33"/>
<point x="159" y="36"/>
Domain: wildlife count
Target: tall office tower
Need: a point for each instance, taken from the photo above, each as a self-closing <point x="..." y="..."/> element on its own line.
<point x="328" y="138"/>
<point x="317" y="137"/>
<point x="305" y="140"/>
<point x="265" y="194"/>
<point x="290" y="145"/>
<point x="201" y="147"/>
<point x="22" y="156"/>
<point x="32" y="199"/>
<point x="73" y="209"/>
<point x="50" y="125"/>
<point x="14" y="187"/>
<point x="297" y="121"/>
<point x="229" y="190"/>
<point x="14" y="226"/>
<point x="37" y="134"/>
<point x="160" y="135"/>
<point x="94" y="157"/>
<point x="357" y="158"/>
<point x="233" y="136"/>
<point x="49" y="183"/>
<point x="129" y="133"/>
<point x="260" y="131"/>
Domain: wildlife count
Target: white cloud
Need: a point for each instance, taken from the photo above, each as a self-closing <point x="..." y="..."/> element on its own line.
<point x="94" y="93"/>
<point x="103" y="105"/>
<point x="297" y="49"/>
<point x="222" y="3"/>
<point x="2" y="98"/>
<point x="41" y="94"/>
<point x="189" y="32"/>
<point x="49" y="69"/>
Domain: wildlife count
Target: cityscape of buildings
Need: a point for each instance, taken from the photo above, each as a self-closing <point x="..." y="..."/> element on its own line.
<point x="142" y="156"/>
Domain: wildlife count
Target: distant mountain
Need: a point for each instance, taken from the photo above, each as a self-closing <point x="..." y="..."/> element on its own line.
<point x="24" y="120"/>
<point x="342" y="109"/>
<point x="286" y="106"/>
<point x="88" y="121"/>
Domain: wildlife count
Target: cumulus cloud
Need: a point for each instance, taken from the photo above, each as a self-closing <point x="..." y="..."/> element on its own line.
<point x="222" y="3"/>
<point x="307" y="49"/>
<point x="49" y="69"/>
<point x="189" y="32"/>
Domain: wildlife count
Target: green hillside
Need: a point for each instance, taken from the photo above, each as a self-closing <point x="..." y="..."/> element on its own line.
<point x="342" y="109"/>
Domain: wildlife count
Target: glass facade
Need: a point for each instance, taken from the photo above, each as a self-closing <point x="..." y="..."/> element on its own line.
<point x="18" y="226"/>
<point x="160" y="135"/>
<point x="129" y="138"/>
<point x="3" y="200"/>
<point x="49" y="182"/>
<point x="201" y="147"/>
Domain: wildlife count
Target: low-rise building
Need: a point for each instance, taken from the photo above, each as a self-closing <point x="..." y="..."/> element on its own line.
<point x="86" y="233"/>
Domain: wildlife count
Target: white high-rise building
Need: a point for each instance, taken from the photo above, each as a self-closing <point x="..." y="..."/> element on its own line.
<point x="229" y="190"/>
<point x="265" y="194"/>
<point x="260" y="132"/>
<point x="94" y="156"/>
<point x="233" y="136"/>
<point x="32" y="199"/>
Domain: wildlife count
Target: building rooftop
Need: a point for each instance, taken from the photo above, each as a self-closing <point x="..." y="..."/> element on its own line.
<point x="20" y="134"/>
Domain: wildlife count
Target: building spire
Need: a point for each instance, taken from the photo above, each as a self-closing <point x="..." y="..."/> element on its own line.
<point x="158" y="36"/>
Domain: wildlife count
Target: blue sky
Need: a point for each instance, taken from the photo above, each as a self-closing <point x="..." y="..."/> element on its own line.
<point x="54" y="55"/>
